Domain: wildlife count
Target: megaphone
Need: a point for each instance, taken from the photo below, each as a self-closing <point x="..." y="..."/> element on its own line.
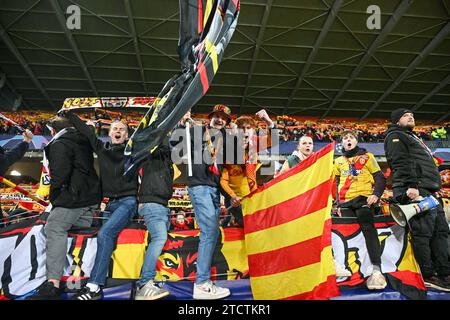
<point x="402" y="213"/>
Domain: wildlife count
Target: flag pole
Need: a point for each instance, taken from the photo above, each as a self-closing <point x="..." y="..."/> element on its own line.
<point x="188" y="141"/>
<point x="2" y="116"/>
<point x="23" y="191"/>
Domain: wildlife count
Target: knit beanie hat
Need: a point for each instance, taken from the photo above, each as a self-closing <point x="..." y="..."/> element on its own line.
<point x="398" y="113"/>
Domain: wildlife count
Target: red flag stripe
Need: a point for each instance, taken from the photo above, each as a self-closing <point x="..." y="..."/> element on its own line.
<point x="200" y="16"/>
<point x="290" y="209"/>
<point x="323" y="291"/>
<point x="288" y="258"/>
<point x="233" y="234"/>
<point x="16" y="231"/>
<point x="349" y="181"/>
<point x="345" y="188"/>
<point x="308" y="162"/>
<point x="131" y="236"/>
<point x="203" y="76"/>
<point x="409" y="278"/>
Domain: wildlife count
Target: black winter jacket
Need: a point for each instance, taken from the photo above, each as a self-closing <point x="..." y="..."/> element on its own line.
<point x="111" y="162"/>
<point x="200" y="156"/>
<point x="7" y="158"/>
<point x="410" y="160"/>
<point x="73" y="180"/>
<point x="157" y="176"/>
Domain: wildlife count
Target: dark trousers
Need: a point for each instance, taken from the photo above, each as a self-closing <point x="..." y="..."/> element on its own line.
<point x="364" y="216"/>
<point x="429" y="235"/>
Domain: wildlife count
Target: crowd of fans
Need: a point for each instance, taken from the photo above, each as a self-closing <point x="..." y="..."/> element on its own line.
<point x="330" y="130"/>
<point x="290" y="129"/>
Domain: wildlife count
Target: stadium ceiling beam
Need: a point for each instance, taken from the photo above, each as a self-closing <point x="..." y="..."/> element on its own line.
<point x="12" y="47"/>
<point x="435" y="90"/>
<point x="332" y="13"/>
<point x="109" y="52"/>
<point x="438" y="68"/>
<point x="23" y="13"/>
<point x="365" y="48"/>
<point x="161" y="21"/>
<point x="5" y="83"/>
<point x="397" y="14"/>
<point x="62" y="21"/>
<point x="160" y="51"/>
<point x="442" y="34"/>
<point x="292" y="71"/>
<point x="77" y="3"/>
<point x="15" y="35"/>
<point x="136" y="43"/>
<point x="445" y="116"/>
<point x="2" y="80"/>
<point x="258" y="43"/>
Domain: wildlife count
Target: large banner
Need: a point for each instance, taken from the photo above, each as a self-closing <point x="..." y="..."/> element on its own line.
<point x="22" y="256"/>
<point x="397" y="259"/>
<point x="111" y="102"/>
<point x="12" y="199"/>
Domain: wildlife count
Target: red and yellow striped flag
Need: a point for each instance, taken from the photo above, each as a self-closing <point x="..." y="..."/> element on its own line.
<point x="287" y="225"/>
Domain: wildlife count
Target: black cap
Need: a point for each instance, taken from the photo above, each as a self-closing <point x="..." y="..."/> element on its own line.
<point x="398" y="113"/>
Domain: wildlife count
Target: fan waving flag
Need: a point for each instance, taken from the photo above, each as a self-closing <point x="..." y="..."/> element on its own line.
<point x="206" y="27"/>
<point x="287" y="226"/>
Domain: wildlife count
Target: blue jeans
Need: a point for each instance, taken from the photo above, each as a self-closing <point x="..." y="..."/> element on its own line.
<point x="122" y="211"/>
<point x="156" y="217"/>
<point x="206" y="203"/>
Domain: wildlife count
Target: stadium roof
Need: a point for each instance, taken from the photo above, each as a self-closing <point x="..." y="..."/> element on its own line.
<point x="298" y="57"/>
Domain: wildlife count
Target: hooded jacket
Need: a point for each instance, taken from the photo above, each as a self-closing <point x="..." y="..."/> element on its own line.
<point x="410" y="160"/>
<point x="7" y="158"/>
<point x="157" y="176"/>
<point x="73" y="180"/>
<point x="201" y="157"/>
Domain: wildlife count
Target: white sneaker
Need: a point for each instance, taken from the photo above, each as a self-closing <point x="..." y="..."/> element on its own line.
<point x="150" y="292"/>
<point x="376" y="281"/>
<point x="341" y="271"/>
<point x="209" y="291"/>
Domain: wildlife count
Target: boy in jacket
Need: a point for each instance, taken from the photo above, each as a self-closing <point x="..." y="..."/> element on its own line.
<point x="74" y="196"/>
<point x="360" y="184"/>
<point x="154" y="194"/>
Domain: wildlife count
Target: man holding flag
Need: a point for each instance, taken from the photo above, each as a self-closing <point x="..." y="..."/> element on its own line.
<point x="203" y="186"/>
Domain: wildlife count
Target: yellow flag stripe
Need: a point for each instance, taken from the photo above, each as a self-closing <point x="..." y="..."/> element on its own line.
<point x="211" y="49"/>
<point x="287" y="234"/>
<point x="158" y="105"/>
<point x="294" y="282"/>
<point x="408" y="262"/>
<point x="290" y="187"/>
<point x="207" y="11"/>
<point x="76" y="259"/>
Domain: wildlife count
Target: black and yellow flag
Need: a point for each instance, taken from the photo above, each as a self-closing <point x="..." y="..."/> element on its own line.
<point x="206" y="27"/>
